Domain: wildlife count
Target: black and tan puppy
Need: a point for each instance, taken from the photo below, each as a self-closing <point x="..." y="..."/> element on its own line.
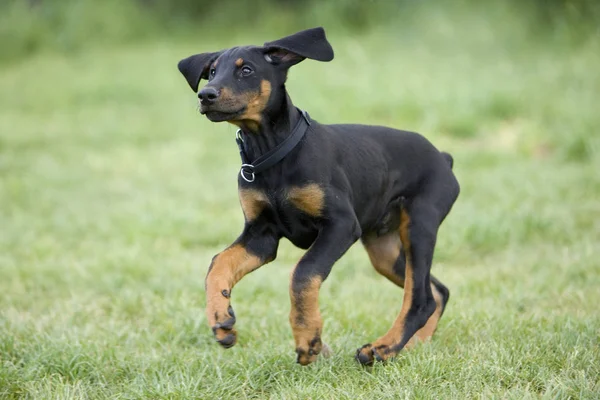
<point x="323" y="187"/>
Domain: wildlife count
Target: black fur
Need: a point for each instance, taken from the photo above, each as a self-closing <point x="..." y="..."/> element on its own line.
<point x="368" y="176"/>
<point x="310" y="43"/>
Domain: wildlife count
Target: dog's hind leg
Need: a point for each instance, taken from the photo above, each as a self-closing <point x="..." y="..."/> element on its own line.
<point x="419" y="222"/>
<point x="387" y="256"/>
<point x="441" y="295"/>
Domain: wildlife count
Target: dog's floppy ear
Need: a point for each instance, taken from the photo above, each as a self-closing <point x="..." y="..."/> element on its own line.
<point x="196" y="67"/>
<point x="292" y="49"/>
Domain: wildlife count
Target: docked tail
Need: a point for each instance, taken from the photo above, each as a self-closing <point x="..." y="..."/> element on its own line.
<point x="448" y="158"/>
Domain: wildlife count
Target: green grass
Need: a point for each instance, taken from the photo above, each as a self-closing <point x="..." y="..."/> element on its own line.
<point x="115" y="194"/>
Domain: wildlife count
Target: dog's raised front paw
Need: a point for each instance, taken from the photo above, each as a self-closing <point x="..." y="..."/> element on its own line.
<point x="224" y="333"/>
<point x="308" y="353"/>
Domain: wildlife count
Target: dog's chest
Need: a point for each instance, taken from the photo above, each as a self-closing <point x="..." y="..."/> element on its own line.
<point x="295" y="210"/>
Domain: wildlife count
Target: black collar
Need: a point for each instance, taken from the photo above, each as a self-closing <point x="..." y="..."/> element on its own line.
<point x="272" y="157"/>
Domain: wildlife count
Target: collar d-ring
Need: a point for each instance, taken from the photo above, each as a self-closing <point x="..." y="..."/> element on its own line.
<point x="249" y="170"/>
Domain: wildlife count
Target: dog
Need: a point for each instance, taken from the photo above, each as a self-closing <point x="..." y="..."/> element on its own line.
<point x="323" y="187"/>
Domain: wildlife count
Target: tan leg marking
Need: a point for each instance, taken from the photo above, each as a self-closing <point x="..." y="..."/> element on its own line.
<point x="227" y="269"/>
<point x="253" y="202"/>
<point x="427" y="331"/>
<point x="394" y="334"/>
<point x="309" y="199"/>
<point x="306" y="322"/>
<point x="384" y="252"/>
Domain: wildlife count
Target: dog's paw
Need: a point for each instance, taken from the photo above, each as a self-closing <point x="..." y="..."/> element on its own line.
<point x="368" y="354"/>
<point x="309" y="352"/>
<point x="224" y="333"/>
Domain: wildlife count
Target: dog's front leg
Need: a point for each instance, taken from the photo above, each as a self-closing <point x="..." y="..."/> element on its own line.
<point x="255" y="247"/>
<point x="331" y="243"/>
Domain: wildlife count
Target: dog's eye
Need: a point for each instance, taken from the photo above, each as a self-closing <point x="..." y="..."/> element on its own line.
<point x="246" y="70"/>
<point x="212" y="72"/>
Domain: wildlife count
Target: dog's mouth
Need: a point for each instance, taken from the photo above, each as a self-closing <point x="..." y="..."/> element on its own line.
<point x="220" y="115"/>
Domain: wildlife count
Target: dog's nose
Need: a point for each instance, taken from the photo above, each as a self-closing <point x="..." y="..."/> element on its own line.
<point x="208" y="95"/>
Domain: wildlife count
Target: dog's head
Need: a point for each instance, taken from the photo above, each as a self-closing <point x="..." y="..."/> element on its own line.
<point x="244" y="81"/>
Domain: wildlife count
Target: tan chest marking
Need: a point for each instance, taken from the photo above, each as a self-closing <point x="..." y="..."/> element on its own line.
<point x="253" y="203"/>
<point x="309" y="199"/>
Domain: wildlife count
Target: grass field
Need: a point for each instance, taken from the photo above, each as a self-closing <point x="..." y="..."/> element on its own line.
<point x="115" y="194"/>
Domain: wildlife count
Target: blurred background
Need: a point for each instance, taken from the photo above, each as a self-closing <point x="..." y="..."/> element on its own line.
<point x="523" y="70"/>
<point x="115" y="192"/>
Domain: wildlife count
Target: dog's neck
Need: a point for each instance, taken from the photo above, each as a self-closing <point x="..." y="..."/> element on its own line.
<point x="275" y="126"/>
